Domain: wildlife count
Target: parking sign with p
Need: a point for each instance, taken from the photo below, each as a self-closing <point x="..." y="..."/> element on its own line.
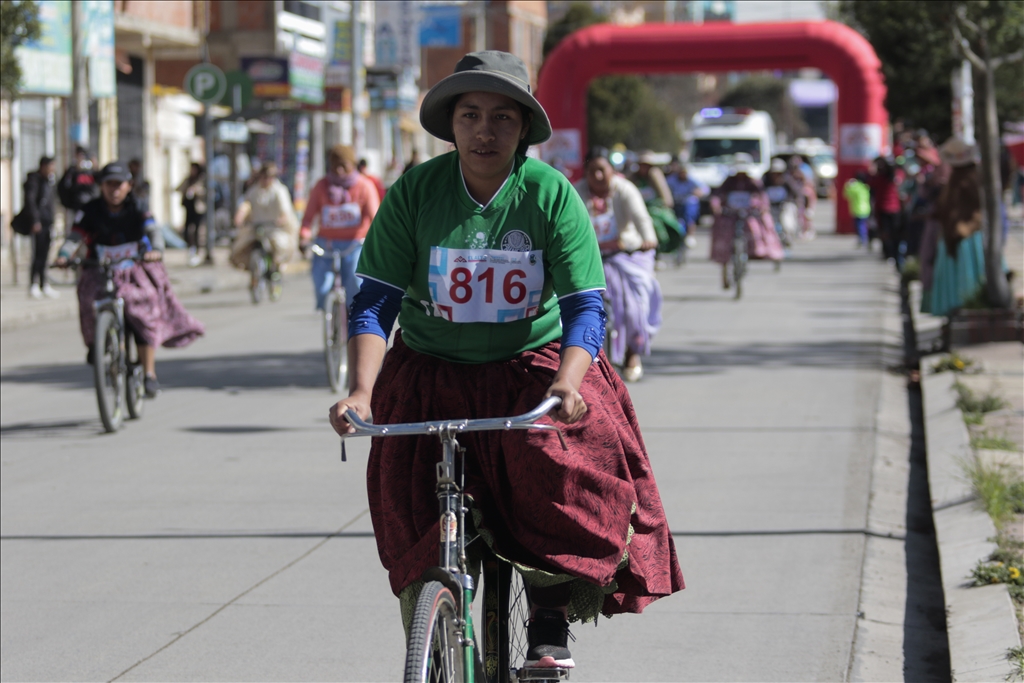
<point x="206" y="83"/>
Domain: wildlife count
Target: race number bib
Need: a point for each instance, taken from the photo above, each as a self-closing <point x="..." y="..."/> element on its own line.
<point x="607" y="231"/>
<point x="776" y="194"/>
<point x="121" y="252"/>
<point x="738" y="200"/>
<point x="484" y="285"/>
<point x="341" y="216"/>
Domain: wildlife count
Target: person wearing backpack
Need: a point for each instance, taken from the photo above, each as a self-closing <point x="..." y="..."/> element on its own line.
<point x="38" y="217"/>
<point x="78" y="186"/>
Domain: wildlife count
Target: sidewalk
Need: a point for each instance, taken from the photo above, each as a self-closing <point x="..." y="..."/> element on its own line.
<point x="18" y="310"/>
<point x="981" y="624"/>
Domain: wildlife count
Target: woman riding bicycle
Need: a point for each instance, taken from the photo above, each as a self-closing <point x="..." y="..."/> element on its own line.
<point x="627" y="241"/>
<point x="343" y="204"/>
<point x="491" y="259"/>
<point x="151" y="310"/>
<point x="265" y="204"/>
<point x="762" y="240"/>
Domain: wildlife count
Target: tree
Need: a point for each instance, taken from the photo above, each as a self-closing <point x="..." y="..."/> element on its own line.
<point x="913" y="40"/>
<point x="992" y="26"/>
<point x="620" y="108"/>
<point x="625" y="109"/>
<point x="19" y="23"/>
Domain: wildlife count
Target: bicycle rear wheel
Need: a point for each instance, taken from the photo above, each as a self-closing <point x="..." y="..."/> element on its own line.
<point x="257" y="274"/>
<point x="135" y="378"/>
<point x="506" y="613"/>
<point x="275" y="283"/>
<point x="108" y="370"/>
<point x="435" y="651"/>
<point x="336" y="340"/>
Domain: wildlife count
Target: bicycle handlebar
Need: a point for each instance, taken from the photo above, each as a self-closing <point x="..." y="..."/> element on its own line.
<point x="451" y="427"/>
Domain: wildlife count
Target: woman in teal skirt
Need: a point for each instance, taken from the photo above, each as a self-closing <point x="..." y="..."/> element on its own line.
<point x="958" y="266"/>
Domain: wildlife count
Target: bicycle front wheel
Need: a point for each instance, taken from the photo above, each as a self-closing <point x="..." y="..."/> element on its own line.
<point x="108" y="370"/>
<point x="336" y="340"/>
<point x="135" y="379"/>
<point x="739" y="263"/>
<point x="435" y="652"/>
<point x="506" y="613"/>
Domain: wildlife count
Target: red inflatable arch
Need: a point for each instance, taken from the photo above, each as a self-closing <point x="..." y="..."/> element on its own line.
<point x="839" y="51"/>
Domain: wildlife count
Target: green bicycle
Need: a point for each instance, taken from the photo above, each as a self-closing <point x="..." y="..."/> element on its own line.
<point x="442" y="645"/>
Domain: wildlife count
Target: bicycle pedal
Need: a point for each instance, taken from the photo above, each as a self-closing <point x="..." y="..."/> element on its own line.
<point x="538" y="674"/>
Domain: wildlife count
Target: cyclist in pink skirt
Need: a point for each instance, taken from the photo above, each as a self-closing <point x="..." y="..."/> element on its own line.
<point x="490" y="263"/>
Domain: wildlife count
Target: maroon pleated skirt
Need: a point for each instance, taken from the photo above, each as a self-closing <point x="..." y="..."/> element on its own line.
<point x="564" y="512"/>
<point x="151" y="309"/>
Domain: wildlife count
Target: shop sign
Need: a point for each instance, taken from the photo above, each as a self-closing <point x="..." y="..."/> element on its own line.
<point x="860" y="142"/>
<point x="338" y="72"/>
<point x="98" y="20"/>
<point x="46" y="62"/>
<point x="441" y="26"/>
<point x="396" y="34"/>
<point x="269" y="76"/>
<point x="306" y="78"/>
<point x="382" y="89"/>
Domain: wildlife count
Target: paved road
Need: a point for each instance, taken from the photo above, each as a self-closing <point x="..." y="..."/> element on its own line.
<point x="193" y="545"/>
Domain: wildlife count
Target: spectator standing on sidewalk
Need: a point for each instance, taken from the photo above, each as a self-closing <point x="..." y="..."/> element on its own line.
<point x="140" y="186"/>
<point x="39" y="205"/>
<point x="858" y="196"/>
<point x="193" y="198"/>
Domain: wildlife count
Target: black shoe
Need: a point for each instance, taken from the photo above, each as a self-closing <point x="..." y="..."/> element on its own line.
<point x="90" y="357"/>
<point x="152" y="387"/>
<point x="548" y="635"/>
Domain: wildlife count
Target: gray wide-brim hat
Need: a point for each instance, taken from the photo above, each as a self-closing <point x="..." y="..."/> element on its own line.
<point x="488" y="71"/>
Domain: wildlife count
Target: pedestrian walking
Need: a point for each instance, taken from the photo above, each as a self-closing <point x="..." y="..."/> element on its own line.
<point x="140" y="186"/>
<point x="39" y="209"/>
<point x="414" y="161"/>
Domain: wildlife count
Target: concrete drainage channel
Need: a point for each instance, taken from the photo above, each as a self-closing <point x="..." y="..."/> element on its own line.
<point x="981" y="624"/>
<point x="901" y="629"/>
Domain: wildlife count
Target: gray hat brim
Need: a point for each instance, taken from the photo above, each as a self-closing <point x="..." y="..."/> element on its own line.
<point x="436" y="120"/>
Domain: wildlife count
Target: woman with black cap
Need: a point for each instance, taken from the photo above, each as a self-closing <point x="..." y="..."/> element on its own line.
<point x="489" y="260"/>
<point x="115" y="222"/>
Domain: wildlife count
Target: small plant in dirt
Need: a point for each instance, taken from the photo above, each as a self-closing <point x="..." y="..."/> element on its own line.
<point x="954" y="362"/>
<point x="986" y="572"/>
<point x="999" y="488"/>
<point x="1016" y="657"/>
<point x="990" y="442"/>
<point x="970" y="403"/>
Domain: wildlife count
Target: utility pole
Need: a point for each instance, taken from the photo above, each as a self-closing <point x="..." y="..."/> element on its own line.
<point x="211" y="203"/>
<point x="80" y="78"/>
<point x="358" y="81"/>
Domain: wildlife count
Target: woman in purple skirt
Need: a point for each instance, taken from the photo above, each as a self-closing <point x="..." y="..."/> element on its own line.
<point x="115" y="226"/>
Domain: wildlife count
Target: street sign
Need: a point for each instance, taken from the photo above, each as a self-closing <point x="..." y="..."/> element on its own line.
<point x="232" y="131"/>
<point x="238" y="93"/>
<point x="206" y="83"/>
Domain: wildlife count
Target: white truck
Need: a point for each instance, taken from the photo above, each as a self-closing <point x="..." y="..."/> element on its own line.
<point x="717" y="134"/>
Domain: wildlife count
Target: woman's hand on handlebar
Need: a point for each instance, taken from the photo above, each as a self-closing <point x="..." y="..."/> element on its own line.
<point x="358" y="403"/>
<point x="153" y="255"/>
<point x="573" y="407"/>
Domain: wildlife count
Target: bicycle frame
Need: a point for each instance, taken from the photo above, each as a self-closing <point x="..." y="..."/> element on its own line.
<point x="452" y="569"/>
